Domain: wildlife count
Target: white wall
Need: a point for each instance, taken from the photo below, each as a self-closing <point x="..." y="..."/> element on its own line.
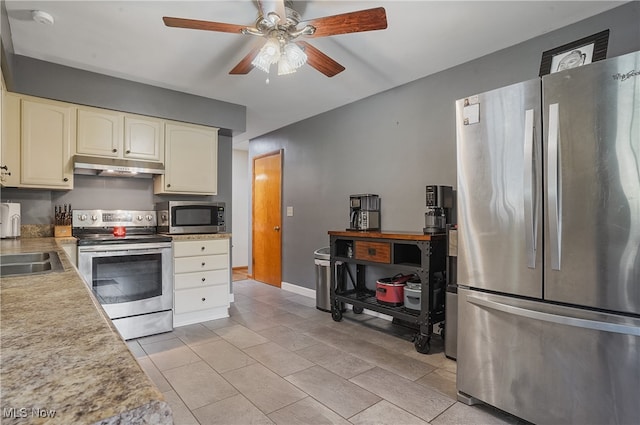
<point x="240" y="199"/>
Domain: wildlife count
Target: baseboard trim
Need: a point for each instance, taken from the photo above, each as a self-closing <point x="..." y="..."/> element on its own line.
<point x="290" y="287"/>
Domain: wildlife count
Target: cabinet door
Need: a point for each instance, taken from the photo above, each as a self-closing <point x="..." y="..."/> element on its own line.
<point x="191" y="160"/>
<point x="99" y="132"/>
<point x="47" y="132"/>
<point x="143" y="138"/>
<point x="10" y="144"/>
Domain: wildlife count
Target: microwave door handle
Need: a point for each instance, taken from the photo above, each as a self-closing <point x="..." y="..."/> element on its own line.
<point x="554" y="187"/>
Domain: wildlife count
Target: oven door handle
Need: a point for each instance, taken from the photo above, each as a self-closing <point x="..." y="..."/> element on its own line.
<point x="132" y="248"/>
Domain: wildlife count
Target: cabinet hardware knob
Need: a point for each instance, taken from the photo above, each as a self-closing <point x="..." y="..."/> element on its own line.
<point x="127" y="151"/>
<point x="65" y="179"/>
<point x="202" y="264"/>
<point x="202" y="248"/>
<point x="203" y="299"/>
<point x="203" y="279"/>
<point x="114" y="150"/>
<point x="169" y="185"/>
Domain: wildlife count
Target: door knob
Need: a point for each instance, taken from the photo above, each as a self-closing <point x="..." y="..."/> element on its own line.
<point x="276" y="228"/>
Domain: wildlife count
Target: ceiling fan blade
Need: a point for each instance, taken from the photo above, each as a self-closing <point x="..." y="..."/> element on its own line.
<point x="275" y="6"/>
<point x="320" y="61"/>
<point x="244" y="66"/>
<point x="202" y="25"/>
<point x="363" y="20"/>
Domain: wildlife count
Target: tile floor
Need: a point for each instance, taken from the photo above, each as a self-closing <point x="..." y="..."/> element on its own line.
<point x="279" y="360"/>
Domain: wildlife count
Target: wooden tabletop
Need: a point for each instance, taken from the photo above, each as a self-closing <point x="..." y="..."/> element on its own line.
<point x="408" y="236"/>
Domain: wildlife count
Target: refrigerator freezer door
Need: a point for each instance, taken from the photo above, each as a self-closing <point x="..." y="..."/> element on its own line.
<point x="546" y="363"/>
<point x="592" y="169"/>
<point x="499" y="190"/>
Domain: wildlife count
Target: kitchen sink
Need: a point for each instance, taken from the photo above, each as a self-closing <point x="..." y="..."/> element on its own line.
<point x="29" y="263"/>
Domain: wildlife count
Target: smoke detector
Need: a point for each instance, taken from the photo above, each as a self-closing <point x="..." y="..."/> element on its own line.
<point x="42" y="17"/>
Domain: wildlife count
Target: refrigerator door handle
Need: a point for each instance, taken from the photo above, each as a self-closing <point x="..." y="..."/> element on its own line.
<point x="554" y="179"/>
<point x="530" y="190"/>
<point x="555" y="318"/>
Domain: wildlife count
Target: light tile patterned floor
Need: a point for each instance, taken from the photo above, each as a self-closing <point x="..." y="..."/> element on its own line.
<point x="279" y="360"/>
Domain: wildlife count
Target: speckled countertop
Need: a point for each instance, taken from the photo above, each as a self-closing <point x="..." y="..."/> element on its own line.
<point x="200" y="237"/>
<point x="60" y="353"/>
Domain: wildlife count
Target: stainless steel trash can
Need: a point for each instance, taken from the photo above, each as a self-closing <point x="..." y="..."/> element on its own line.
<point x="323" y="278"/>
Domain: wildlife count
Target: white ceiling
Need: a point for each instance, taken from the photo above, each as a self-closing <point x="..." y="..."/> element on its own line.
<point x="128" y="39"/>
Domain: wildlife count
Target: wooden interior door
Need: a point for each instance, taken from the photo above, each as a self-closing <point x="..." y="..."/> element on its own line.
<point x="267" y="218"/>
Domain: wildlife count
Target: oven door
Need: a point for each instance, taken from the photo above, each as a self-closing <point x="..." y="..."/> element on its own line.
<point x="129" y="279"/>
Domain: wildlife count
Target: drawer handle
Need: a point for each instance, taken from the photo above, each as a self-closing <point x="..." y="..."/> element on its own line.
<point x="203" y="279"/>
<point x="203" y="299"/>
<point x="371" y="251"/>
<point x="413" y="298"/>
<point x="203" y="264"/>
<point x="383" y="290"/>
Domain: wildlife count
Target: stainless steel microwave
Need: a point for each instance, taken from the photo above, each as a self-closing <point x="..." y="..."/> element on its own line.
<point x="185" y="217"/>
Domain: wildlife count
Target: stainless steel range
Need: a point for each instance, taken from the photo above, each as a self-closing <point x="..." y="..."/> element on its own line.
<point x="128" y="267"/>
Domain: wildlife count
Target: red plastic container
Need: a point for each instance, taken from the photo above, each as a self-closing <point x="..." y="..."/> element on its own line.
<point x="390" y="290"/>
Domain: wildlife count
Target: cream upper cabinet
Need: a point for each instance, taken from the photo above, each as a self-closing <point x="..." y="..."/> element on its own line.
<point x="143" y="138"/>
<point x="99" y="132"/>
<point x="47" y="131"/>
<point x="191" y="160"/>
<point x="10" y="143"/>
<point x="114" y="134"/>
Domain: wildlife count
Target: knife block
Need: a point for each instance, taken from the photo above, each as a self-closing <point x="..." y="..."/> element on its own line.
<point x="62" y="231"/>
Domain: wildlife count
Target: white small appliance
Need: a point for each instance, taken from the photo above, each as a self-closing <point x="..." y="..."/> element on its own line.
<point x="9" y="220"/>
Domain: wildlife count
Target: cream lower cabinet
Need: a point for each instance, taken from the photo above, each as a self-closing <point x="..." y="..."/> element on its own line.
<point x="191" y="160"/>
<point x="201" y="281"/>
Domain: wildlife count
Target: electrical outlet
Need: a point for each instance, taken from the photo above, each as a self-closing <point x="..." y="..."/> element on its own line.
<point x="289" y="211"/>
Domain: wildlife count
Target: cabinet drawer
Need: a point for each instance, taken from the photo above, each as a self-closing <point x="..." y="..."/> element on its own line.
<point x="200" y="263"/>
<point x="190" y="248"/>
<point x="380" y="252"/>
<point x="195" y="299"/>
<point x="201" y="279"/>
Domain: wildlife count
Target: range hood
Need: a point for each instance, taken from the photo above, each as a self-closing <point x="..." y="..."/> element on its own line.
<point x="112" y="167"/>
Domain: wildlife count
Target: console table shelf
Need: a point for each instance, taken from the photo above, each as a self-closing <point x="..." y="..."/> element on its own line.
<point x="408" y="253"/>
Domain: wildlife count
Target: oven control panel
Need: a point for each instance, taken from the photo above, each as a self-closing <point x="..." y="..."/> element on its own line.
<point x="111" y="218"/>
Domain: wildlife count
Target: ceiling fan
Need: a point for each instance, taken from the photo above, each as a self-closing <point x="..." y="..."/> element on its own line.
<point x="282" y="28"/>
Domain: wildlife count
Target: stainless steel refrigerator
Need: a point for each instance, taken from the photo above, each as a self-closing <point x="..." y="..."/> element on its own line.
<point x="549" y="246"/>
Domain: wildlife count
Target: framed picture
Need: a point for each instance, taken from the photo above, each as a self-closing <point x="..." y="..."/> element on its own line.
<point x="580" y="52"/>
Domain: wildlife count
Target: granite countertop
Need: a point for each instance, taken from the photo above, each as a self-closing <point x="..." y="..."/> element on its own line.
<point x="200" y="237"/>
<point x="61" y="355"/>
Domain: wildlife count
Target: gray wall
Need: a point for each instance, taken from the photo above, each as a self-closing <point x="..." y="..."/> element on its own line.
<point x="45" y="79"/>
<point x="394" y="143"/>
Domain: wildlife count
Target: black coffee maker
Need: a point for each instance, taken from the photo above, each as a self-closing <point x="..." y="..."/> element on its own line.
<point x="439" y="206"/>
<point x="364" y="212"/>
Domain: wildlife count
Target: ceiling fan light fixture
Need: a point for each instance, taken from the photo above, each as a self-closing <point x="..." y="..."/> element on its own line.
<point x="284" y="66"/>
<point x="269" y="54"/>
<point x="296" y="57"/>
